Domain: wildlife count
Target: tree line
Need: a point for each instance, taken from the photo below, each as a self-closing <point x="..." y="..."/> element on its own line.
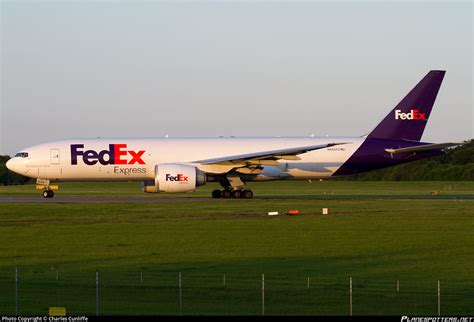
<point x="456" y="164"/>
<point x="7" y="177"/>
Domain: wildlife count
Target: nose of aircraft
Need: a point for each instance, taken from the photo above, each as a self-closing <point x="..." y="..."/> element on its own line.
<point x="9" y="164"/>
<point x="12" y="165"/>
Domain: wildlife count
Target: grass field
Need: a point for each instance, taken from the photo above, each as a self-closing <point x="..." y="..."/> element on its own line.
<point x="378" y="233"/>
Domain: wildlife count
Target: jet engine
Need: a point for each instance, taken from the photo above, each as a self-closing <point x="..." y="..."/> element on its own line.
<point x="175" y="177"/>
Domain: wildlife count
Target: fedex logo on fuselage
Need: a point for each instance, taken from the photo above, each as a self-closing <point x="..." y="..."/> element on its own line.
<point x="412" y="115"/>
<point x="180" y="177"/>
<point x="116" y="154"/>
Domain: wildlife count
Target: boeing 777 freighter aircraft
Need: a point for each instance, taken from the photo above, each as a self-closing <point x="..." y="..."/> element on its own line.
<point x="182" y="164"/>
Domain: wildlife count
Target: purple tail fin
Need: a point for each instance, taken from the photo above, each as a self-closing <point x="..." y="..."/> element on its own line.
<point x="408" y="119"/>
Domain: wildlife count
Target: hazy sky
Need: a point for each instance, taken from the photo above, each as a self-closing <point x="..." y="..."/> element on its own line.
<point x="133" y="68"/>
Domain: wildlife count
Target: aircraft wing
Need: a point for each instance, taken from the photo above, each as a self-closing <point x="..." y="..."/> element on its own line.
<point x="265" y="157"/>
<point x="426" y="147"/>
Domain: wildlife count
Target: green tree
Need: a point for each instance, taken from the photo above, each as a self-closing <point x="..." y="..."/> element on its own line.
<point x="7" y="177"/>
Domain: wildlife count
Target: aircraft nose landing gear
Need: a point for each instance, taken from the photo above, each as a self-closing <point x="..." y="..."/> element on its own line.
<point x="48" y="194"/>
<point x="43" y="184"/>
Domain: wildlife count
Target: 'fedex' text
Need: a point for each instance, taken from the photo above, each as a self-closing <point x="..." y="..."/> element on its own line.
<point x="180" y="177"/>
<point x="412" y="115"/>
<point x="116" y="154"/>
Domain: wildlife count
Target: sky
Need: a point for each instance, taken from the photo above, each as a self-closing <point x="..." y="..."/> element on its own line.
<point x="85" y="69"/>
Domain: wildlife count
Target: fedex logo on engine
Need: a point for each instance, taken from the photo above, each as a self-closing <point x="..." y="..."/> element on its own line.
<point x="412" y="115"/>
<point x="116" y="154"/>
<point x="180" y="177"/>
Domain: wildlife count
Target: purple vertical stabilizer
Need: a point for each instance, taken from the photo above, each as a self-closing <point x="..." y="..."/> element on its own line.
<point x="408" y="119"/>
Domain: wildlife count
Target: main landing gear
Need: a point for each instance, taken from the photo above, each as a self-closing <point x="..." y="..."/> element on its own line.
<point x="235" y="194"/>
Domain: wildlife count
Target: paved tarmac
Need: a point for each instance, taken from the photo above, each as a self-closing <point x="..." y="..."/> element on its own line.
<point x="78" y="199"/>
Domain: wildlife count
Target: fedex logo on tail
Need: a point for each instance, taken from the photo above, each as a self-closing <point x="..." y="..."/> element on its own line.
<point x="116" y="154"/>
<point x="412" y="115"/>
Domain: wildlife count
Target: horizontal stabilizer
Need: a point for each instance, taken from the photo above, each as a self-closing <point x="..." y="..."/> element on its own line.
<point x="426" y="147"/>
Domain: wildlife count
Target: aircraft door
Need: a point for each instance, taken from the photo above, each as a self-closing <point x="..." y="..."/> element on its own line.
<point x="55" y="157"/>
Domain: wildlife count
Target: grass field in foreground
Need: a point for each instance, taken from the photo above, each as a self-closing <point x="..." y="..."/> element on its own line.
<point x="376" y="233"/>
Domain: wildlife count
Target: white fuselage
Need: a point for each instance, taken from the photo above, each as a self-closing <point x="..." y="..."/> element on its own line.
<point x="54" y="160"/>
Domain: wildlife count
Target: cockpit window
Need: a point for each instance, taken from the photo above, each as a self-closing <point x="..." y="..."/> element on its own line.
<point x="22" y="154"/>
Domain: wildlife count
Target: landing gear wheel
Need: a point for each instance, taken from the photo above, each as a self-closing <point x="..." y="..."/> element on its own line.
<point x="226" y="194"/>
<point x="48" y="194"/>
<point x="216" y="194"/>
<point x="247" y="194"/>
<point x="236" y="194"/>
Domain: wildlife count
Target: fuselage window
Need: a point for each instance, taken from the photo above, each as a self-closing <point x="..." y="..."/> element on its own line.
<point x="22" y="154"/>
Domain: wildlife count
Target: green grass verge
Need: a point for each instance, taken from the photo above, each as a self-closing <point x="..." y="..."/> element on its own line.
<point x="376" y="233"/>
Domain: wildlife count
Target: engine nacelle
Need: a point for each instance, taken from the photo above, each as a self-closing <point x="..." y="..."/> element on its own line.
<point x="175" y="177"/>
